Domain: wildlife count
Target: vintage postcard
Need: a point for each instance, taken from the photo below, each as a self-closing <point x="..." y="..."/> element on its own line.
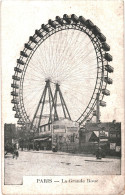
<point x="62" y="97"/>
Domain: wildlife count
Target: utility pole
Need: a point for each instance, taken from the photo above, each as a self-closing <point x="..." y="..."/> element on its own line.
<point x="97" y="109"/>
<point x="99" y="154"/>
<point x="98" y="116"/>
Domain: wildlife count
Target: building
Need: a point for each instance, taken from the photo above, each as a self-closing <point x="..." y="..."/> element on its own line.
<point x="65" y="134"/>
<point x="110" y="137"/>
<point x="9" y="133"/>
<point x="43" y="141"/>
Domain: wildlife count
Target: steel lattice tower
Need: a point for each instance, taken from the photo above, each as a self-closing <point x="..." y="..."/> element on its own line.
<point x="52" y="101"/>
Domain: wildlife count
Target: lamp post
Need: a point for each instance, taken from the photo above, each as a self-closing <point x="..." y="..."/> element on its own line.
<point x="100" y="127"/>
<point x="32" y="131"/>
<point x="23" y="135"/>
<point x="98" y="123"/>
<point x="97" y="109"/>
<point x="98" y="116"/>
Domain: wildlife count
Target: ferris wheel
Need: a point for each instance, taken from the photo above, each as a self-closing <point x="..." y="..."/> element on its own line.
<point x="61" y="69"/>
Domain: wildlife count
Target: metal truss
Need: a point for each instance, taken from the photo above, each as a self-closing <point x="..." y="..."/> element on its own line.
<point x="41" y="35"/>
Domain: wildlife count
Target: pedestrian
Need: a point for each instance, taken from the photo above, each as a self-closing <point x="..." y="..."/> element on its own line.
<point x="99" y="153"/>
<point x="15" y="154"/>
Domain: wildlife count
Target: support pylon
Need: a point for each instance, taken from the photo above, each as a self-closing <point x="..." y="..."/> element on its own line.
<point x="58" y="96"/>
<point x="97" y="109"/>
<point x="38" y="116"/>
<point x="53" y="115"/>
<point x="98" y="117"/>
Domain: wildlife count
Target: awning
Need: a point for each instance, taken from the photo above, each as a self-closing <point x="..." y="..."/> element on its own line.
<point x="42" y="139"/>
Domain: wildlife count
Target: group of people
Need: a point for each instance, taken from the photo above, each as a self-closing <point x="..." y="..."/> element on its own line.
<point x="13" y="149"/>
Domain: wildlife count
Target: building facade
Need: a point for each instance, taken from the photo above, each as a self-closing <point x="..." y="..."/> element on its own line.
<point x="9" y="133"/>
<point x="110" y="138"/>
<point x="65" y="135"/>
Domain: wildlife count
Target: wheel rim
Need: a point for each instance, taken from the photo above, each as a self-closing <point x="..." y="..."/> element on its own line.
<point x="100" y="62"/>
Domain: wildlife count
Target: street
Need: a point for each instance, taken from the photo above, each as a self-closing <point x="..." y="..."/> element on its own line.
<point x="47" y="163"/>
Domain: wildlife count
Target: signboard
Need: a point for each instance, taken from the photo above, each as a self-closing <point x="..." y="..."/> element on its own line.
<point x="112" y="135"/>
<point x="103" y="140"/>
<point x="118" y="148"/>
<point x="59" y="130"/>
<point x="72" y="128"/>
<point x="103" y="133"/>
<point x="112" y="146"/>
<point x="58" y="126"/>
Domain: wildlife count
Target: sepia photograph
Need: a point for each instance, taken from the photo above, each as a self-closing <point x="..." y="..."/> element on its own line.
<point x="62" y="97"/>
